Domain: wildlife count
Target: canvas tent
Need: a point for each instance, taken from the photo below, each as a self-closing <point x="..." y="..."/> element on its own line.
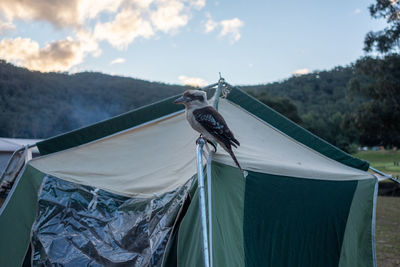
<point x="9" y="145"/>
<point x="122" y="192"/>
<point x="14" y="153"/>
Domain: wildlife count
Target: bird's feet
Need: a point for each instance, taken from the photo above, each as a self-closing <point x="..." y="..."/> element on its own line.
<point x="208" y="141"/>
<point x="198" y="139"/>
<point x="213" y="145"/>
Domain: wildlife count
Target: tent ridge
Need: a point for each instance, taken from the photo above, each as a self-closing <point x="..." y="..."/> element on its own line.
<point x="109" y="126"/>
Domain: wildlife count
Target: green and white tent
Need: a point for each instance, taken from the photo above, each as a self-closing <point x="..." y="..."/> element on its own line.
<point x="122" y="192"/>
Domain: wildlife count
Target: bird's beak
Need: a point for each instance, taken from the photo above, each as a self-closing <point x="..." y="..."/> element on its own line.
<point x="180" y="100"/>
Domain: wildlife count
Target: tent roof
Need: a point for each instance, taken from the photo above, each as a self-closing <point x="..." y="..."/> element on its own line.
<point x="166" y="107"/>
<point x="158" y="156"/>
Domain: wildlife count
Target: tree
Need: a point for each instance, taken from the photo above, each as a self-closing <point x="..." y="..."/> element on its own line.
<point x="377" y="82"/>
<point x="386" y="40"/>
<point x="282" y="105"/>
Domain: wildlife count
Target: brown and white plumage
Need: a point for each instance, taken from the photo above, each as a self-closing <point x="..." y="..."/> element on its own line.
<point x="206" y="120"/>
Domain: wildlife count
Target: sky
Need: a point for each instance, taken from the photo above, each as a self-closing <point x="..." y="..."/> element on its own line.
<point x="185" y="41"/>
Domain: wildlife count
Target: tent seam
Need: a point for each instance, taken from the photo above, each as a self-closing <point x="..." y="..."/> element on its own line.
<point x="114" y="134"/>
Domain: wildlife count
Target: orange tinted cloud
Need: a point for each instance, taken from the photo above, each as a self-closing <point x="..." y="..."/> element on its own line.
<point x="192" y="81"/>
<point x="56" y="56"/>
<point x="130" y="19"/>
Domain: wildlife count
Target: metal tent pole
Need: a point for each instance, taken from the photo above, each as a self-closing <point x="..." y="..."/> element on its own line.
<point x="207" y="239"/>
<point x="383" y="174"/>
<point x="202" y="199"/>
<point x="209" y="194"/>
<point x="221" y="81"/>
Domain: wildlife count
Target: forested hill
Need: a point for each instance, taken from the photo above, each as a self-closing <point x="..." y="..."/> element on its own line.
<point x="347" y="106"/>
<point x="319" y="91"/>
<point x="318" y="101"/>
<point x="40" y="105"/>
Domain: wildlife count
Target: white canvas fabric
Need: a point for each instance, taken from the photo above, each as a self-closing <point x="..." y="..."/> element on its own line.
<point x="142" y="162"/>
<point x="158" y="157"/>
<point x="267" y="150"/>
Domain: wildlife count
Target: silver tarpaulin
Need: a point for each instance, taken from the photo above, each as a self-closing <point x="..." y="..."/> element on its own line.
<point x="77" y="225"/>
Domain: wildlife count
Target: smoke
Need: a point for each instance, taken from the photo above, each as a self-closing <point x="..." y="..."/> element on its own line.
<point x="84" y="113"/>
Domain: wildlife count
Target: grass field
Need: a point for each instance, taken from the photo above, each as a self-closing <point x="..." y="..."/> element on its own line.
<point x="387" y="161"/>
<point x="387" y="232"/>
<point x="387" y="235"/>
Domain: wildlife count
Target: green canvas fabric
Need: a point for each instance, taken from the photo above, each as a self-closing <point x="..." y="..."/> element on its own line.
<point x="272" y="220"/>
<point x="228" y="186"/>
<point x="294" y="222"/>
<point x="293" y="130"/>
<point x="108" y="127"/>
<point x="228" y="191"/>
<point x="17" y="216"/>
<point x="357" y="248"/>
<point x="189" y="238"/>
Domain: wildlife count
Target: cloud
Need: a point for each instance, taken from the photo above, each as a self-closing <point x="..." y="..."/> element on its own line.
<point x="198" y="4"/>
<point x="144" y="18"/>
<point x="229" y="28"/>
<point x="192" y="81"/>
<point x="357" y="11"/>
<point x="58" y="12"/>
<point x="126" y="21"/>
<point x="118" y="61"/>
<point x="127" y="26"/>
<point x="210" y="24"/>
<point x="300" y="72"/>
<point x="56" y="56"/>
<point x="89" y="9"/>
<point x="5" y="27"/>
<point x="169" y="15"/>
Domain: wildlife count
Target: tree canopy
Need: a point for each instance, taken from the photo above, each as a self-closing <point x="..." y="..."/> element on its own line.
<point x="377" y="81"/>
<point x="40" y="105"/>
<point x="318" y="101"/>
<point x="386" y="40"/>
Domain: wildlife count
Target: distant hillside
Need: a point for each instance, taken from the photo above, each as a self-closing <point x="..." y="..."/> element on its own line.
<point x="40" y="105"/>
<point x="321" y="99"/>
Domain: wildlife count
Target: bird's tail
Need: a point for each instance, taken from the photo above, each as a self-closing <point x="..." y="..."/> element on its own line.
<point x="234" y="159"/>
<point x="235" y="143"/>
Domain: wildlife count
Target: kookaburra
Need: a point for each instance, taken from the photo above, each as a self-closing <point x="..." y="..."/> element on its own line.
<point x="205" y="119"/>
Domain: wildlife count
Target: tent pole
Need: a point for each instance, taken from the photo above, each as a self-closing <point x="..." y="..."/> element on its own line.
<point x="207" y="247"/>
<point x="202" y="199"/>
<point x="383" y="174"/>
<point x="209" y="194"/>
<point x="221" y="81"/>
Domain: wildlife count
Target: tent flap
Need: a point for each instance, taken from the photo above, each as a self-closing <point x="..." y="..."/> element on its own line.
<point x="272" y="220"/>
<point x="17" y="215"/>
<point x="78" y="226"/>
<point x="301" y="221"/>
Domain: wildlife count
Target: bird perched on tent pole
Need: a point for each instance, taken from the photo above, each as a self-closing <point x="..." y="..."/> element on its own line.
<point x="206" y="120"/>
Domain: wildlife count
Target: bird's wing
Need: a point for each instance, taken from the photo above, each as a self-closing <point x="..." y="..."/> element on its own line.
<point x="215" y="124"/>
